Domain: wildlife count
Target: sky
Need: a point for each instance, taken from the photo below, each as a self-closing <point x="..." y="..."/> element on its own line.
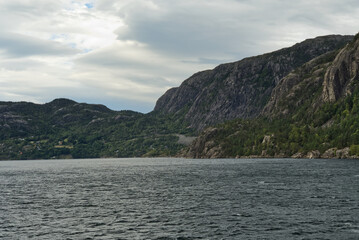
<point x="126" y="53"/>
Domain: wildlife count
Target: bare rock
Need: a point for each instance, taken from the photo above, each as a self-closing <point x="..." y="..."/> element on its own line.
<point x="343" y="153"/>
<point x="330" y="153"/>
<point x="267" y="139"/>
<point x="342" y="73"/>
<point x="298" y="155"/>
<point x="313" y="154"/>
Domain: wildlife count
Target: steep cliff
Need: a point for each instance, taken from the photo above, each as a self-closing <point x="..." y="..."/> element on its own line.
<point x="300" y="87"/>
<point x="343" y="73"/>
<point x="324" y="79"/>
<point x="240" y="89"/>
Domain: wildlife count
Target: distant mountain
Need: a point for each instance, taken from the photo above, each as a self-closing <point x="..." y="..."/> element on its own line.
<point x="66" y="129"/>
<point x="240" y="89"/>
<point x="312" y="112"/>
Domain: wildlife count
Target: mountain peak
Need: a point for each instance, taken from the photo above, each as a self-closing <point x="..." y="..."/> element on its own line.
<point x="61" y="102"/>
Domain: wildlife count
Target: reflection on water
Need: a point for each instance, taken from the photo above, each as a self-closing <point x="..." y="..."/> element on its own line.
<point x="179" y="199"/>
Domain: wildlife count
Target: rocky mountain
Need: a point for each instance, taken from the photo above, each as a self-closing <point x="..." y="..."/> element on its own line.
<point x="240" y="89"/>
<point x="312" y="112"/>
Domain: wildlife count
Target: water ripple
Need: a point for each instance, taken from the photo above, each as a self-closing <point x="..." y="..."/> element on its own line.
<point x="179" y="199"/>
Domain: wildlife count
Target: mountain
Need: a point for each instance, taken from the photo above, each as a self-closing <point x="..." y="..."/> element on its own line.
<point x="313" y="111"/>
<point x="240" y="89"/>
<point x="66" y="129"/>
<point x="301" y="101"/>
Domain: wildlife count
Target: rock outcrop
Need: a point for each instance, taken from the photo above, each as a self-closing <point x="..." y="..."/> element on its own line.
<point x="313" y="154"/>
<point x="298" y="86"/>
<point x="342" y="73"/>
<point x="336" y="153"/>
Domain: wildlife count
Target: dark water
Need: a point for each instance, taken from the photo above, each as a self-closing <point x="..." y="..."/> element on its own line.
<point x="179" y="199"/>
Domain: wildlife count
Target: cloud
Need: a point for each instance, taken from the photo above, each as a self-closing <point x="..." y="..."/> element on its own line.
<point x="18" y="45"/>
<point x="131" y="70"/>
<point x="125" y="54"/>
<point x="228" y="28"/>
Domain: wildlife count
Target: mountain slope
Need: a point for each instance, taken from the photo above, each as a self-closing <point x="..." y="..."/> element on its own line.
<point x="67" y="129"/>
<point x="240" y="89"/>
<point x="312" y="112"/>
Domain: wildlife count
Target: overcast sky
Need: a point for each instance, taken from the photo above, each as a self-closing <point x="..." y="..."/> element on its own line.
<point x="127" y="53"/>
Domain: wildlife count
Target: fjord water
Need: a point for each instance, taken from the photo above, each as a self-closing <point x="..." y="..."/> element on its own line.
<point x="179" y="199"/>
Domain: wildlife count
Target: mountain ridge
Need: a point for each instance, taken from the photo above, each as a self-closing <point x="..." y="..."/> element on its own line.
<point x="240" y="89"/>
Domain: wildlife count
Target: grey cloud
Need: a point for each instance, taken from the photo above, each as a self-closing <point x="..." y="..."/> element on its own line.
<point x="226" y="28"/>
<point x="17" y="45"/>
<point x="184" y="29"/>
<point x="38" y="7"/>
<point x="143" y="69"/>
<point x="19" y="64"/>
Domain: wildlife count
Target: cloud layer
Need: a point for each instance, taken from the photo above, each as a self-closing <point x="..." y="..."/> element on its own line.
<point x="125" y="54"/>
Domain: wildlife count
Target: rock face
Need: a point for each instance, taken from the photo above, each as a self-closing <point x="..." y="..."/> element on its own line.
<point x="335" y="72"/>
<point x="336" y="153"/>
<point x="298" y="86"/>
<point x="330" y="153"/>
<point x="313" y="154"/>
<point x="342" y="73"/>
<point x="240" y="89"/>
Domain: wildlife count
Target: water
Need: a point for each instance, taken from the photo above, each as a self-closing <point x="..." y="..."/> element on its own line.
<point x="179" y="199"/>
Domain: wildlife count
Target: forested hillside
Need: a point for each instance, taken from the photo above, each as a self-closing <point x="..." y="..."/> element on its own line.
<point x="67" y="129"/>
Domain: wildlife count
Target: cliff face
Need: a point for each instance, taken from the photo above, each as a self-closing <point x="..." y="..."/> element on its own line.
<point x="326" y="78"/>
<point x="343" y="73"/>
<point x="240" y="89"/>
<point x="299" y="87"/>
